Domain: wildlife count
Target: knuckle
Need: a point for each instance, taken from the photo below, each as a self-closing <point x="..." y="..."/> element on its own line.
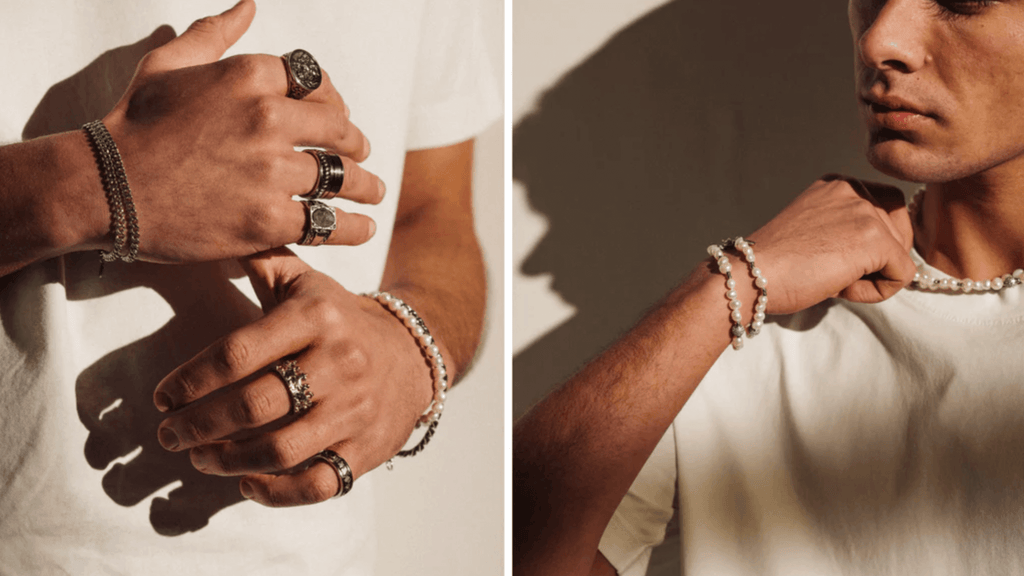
<point x="320" y="487"/>
<point x="264" y="115"/>
<point x="232" y="355"/>
<point x="284" y="452"/>
<point x="325" y="313"/>
<point x="186" y="386"/>
<point x="254" y="409"/>
<point x="195" y="430"/>
<point x="355" y="360"/>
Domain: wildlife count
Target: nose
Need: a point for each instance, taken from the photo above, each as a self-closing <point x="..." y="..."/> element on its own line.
<point x="891" y="37"/>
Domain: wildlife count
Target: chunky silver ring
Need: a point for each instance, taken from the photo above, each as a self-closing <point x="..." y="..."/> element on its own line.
<point x="330" y="175"/>
<point x="341" y="468"/>
<point x="304" y="73"/>
<point x="295" y="382"/>
<point x="322" y="220"/>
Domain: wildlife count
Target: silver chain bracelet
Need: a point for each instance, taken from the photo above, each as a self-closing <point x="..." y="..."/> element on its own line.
<point x="124" y="225"/>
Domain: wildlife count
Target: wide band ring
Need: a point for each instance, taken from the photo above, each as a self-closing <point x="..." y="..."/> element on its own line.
<point x="341" y="468"/>
<point x="295" y="383"/>
<point x="304" y="74"/>
<point x="321" y="220"/>
<point x="330" y="175"/>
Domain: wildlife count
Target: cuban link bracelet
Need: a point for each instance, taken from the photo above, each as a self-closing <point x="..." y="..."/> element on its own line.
<point x="717" y="251"/>
<point x="924" y="282"/>
<point x="124" y="225"/>
<point x="418" y="328"/>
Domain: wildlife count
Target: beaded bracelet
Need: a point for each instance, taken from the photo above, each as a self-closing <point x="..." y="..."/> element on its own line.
<point x="717" y="251"/>
<point x="124" y="225"/>
<point x="419" y="330"/>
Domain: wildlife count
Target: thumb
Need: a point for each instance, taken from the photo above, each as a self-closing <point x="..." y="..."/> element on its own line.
<point x="271" y="273"/>
<point x="206" y="39"/>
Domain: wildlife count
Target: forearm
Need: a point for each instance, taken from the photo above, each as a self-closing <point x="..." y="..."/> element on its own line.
<point x="53" y="202"/>
<point x="435" y="262"/>
<point x="576" y="453"/>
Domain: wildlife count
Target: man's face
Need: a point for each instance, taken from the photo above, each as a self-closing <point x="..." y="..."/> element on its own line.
<point x="941" y="85"/>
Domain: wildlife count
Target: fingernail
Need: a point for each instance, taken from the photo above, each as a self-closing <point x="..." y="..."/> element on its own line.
<point x="373" y="228"/>
<point x="366" y="148"/>
<point x="163" y="402"/>
<point x="246" y="489"/>
<point x="199" y="458"/>
<point x="381" y="189"/>
<point x="348" y="112"/>
<point x="168" y="439"/>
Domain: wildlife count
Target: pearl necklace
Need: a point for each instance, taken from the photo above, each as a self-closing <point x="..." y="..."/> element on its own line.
<point x="925" y="282"/>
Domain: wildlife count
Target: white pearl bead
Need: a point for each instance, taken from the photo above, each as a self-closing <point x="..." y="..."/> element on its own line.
<point x="438" y="408"/>
<point x="756" y="325"/>
<point x="1018" y="273"/>
<point x="730" y="283"/>
<point x="725" y="268"/>
<point x="944" y="284"/>
<point x="442" y="396"/>
<point x="759" y="316"/>
<point x="967" y="285"/>
<point x="917" y="277"/>
<point x="713" y="251"/>
<point x="417" y="330"/>
<point x="761" y="282"/>
<point x="997" y="284"/>
<point x="737" y="343"/>
<point x="762" y="299"/>
<point x="731" y="294"/>
<point x="722" y="261"/>
<point x="924" y="280"/>
<point x="755" y="272"/>
<point x="759" y="307"/>
<point x="737" y="316"/>
<point x="433" y="349"/>
<point x="749" y="256"/>
<point x="735" y="304"/>
<point x="426" y="340"/>
<point x="987" y="284"/>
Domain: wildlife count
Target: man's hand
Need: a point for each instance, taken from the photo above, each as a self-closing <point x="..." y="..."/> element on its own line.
<point x="369" y="379"/>
<point x="208" y="148"/>
<point x="840" y="237"/>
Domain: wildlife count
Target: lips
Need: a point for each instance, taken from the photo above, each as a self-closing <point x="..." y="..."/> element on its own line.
<point x="895" y="113"/>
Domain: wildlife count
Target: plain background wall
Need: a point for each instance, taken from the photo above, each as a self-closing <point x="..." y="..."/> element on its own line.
<point x="442" y="511"/>
<point x="644" y="131"/>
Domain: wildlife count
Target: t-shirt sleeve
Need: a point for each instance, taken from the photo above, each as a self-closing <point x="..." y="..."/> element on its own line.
<point x="638" y="524"/>
<point x="455" y="95"/>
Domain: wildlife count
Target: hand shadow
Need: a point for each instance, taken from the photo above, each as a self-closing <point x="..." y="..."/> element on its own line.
<point x="114" y="394"/>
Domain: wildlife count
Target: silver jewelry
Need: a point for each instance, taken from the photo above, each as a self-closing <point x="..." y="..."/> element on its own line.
<point x="295" y="383"/>
<point x="322" y="220"/>
<point x="304" y="73"/>
<point x="124" y="224"/>
<point x="923" y="281"/>
<point x="717" y="251"/>
<point x="330" y="175"/>
<point x="341" y="469"/>
<point x="429" y="348"/>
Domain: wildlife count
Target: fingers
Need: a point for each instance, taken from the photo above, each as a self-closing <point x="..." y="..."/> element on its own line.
<point x="317" y="483"/>
<point x="206" y="39"/>
<point x="351" y="229"/>
<point x="232" y="358"/>
<point x="896" y="273"/>
<point x="323" y="126"/>
<point x="892" y="206"/>
<point x="358" y="184"/>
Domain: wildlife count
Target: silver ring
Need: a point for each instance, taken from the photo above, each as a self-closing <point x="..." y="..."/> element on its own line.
<point x="341" y="469"/>
<point x="321" y="220"/>
<point x="304" y="74"/>
<point x="329" y="177"/>
<point x="295" y="383"/>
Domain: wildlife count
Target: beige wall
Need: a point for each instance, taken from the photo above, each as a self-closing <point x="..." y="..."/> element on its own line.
<point x="646" y="130"/>
<point x="441" y="513"/>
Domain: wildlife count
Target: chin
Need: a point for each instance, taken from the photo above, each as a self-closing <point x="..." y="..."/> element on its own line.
<point x="910" y="162"/>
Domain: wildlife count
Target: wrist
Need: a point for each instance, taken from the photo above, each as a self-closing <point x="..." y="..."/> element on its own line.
<point x="78" y="212"/>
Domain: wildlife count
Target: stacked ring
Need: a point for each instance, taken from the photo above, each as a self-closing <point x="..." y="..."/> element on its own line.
<point x="330" y="175"/>
<point x="341" y="469"/>
<point x="304" y="73"/>
<point x="295" y="383"/>
<point x="322" y="220"/>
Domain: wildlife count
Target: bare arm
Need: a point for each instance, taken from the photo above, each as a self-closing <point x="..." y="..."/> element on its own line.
<point x="577" y="452"/>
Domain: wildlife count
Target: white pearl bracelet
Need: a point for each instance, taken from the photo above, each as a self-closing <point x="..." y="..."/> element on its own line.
<point x="717" y="251"/>
<point x="439" y="373"/>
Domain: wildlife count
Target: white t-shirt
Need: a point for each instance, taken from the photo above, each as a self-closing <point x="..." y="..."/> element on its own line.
<point x="848" y="439"/>
<point x="84" y="486"/>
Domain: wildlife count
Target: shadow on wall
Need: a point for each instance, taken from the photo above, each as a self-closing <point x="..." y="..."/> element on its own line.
<point x="697" y="122"/>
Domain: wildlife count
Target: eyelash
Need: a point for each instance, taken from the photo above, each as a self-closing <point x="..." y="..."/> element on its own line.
<point x="959" y="9"/>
